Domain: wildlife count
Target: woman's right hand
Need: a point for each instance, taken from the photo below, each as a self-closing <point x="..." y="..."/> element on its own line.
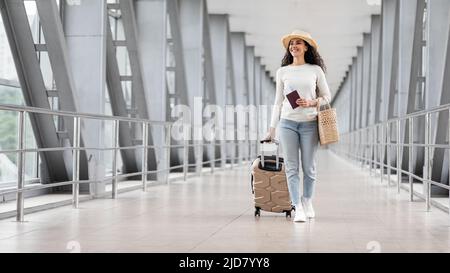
<point x="270" y="134"/>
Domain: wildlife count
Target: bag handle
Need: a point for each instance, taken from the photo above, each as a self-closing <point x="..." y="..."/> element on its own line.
<point x="278" y="151"/>
<point x="318" y="103"/>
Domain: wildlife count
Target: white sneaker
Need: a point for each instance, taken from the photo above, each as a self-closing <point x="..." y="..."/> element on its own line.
<point x="307" y="205"/>
<point x="299" y="214"/>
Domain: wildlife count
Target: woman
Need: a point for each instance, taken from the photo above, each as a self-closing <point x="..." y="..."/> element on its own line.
<point x="302" y="70"/>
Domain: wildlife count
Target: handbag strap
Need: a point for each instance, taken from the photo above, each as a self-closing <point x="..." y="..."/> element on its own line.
<point x="318" y="103"/>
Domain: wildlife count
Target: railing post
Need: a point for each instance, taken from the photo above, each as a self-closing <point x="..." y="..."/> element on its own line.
<point x="375" y="149"/>
<point x="198" y="156"/>
<point x="448" y="151"/>
<point x="223" y="154"/>
<point x="352" y="140"/>
<point x="382" y="149"/>
<point x="362" y="147"/>
<point x="357" y="147"/>
<point x="366" y="147"/>
<point x="357" y="144"/>
<point x="372" y="149"/>
<point x="20" y="166"/>
<point x="185" y="158"/>
<point x="240" y="152"/>
<point x="144" y="167"/>
<point x="388" y="148"/>
<point x="167" y="144"/>
<point x="242" y="155"/>
<point x="76" y="162"/>
<point x="399" y="161"/>
<point x="213" y="155"/>
<point x="349" y="147"/>
<point x="233" y="153"/>
<point x="114" y="171"/>
<point x="251" y="152"/>
<point x="426" y="173"/>
<point x="356" y="152"/>
<point x="410" y="158"/>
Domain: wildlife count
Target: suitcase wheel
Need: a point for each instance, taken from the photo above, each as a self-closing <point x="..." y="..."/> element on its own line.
<point x="257" y="212"/>
<point x="288" y="213"/>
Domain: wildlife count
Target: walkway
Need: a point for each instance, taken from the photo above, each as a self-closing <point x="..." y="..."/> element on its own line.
<point x="214" y="213"/>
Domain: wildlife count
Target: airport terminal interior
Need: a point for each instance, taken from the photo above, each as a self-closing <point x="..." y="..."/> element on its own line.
<point x="135" y="125"/>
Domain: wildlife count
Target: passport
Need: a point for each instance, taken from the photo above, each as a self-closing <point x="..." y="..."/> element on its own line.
<point x="292" y="97"/>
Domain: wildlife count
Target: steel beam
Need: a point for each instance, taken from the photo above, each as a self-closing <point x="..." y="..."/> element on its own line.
<point x="387" y="51"/>
<point x="250" y="55"/>
<point x="240" y="67"/>
<point x="211" y="152"/>
<point x="415" y="98"/>
<point x="50" y="20"/>
<point x="258" y="97"/>
<point x="374" y="59"/>
<point x="180" y="69"/>
<point x="407" y="16"/>
<point x="181" y="96"/>
<point x="359" y="86"/>
<point x="222" y="62"/>
<point x="119" y="104"/>
<point x="238" y="47"/>
<point x="437" y="92"/>
<point x="366" y="79"/>
<point x="131" y="39"/>
<point x="354" y="93"/>
<point x="191" y="22"/>
<point x="33" y="88"/>
<point x="258" y="93"/>
<point x="139" y="97"/>
<point x="151" y="23"/>
<point x="394" y="98"/>
<point x="84" y="32"/>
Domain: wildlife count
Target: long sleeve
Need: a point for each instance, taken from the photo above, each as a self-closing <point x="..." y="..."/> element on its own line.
<point x="324" y="90"/>
<point x="279" y="97"/>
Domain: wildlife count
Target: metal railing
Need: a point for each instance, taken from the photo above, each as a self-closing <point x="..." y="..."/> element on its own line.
<point x="76" y="147"/>
<point x="373" y="147"/>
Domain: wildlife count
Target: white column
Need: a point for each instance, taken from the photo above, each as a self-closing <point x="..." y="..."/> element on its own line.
<point x="85" y="32"/>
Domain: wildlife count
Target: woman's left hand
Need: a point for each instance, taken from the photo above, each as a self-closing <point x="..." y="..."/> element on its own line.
<point x="306" y="103"/>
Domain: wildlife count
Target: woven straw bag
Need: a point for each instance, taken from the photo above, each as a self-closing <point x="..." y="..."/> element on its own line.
<point x="327" y="124"/>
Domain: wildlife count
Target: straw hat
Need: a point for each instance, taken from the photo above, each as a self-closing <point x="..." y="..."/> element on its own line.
<point x="299" y="34"/>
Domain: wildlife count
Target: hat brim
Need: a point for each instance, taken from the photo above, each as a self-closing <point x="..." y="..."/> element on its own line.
<point x="285" y="40"/>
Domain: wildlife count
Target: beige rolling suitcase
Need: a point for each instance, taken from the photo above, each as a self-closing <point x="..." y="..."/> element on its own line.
<point x="269" y="184"/>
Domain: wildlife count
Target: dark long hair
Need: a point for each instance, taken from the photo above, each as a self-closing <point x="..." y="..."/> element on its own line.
<point x="312" y="56"/>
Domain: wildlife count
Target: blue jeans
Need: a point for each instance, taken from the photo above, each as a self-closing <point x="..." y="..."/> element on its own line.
<point x="295" y="136"/>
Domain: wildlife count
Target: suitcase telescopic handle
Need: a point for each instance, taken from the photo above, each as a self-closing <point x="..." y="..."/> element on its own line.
<point x="278" y="151"/>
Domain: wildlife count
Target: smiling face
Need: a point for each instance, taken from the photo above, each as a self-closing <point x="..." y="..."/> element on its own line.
<point x="297" y="47"/>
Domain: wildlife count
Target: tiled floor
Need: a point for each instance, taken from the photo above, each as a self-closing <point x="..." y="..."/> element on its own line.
<point x="214" y="213"/>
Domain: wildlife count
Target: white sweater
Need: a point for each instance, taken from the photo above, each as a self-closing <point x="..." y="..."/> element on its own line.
<point x="302" y="78"/>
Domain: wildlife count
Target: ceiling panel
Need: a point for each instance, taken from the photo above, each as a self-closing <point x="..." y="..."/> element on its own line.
<point x="337" y="26"/>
